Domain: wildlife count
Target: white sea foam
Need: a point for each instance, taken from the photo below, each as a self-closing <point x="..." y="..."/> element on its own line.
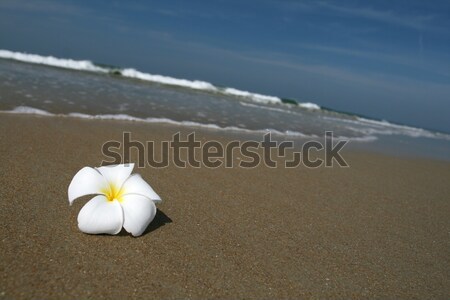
<point x="125" y="117"/>
<point x="384" y="123"/>
<point x="367" y="138"/>
<point x="255" y="97"/>
<point x="309" y="105"/>
<point x="29" y="111"/>
<point x="286" y="110"/>
<point x="369" y="133"/>
<point x="374" y="127"/>
<point x="83" y="65"/>
<point x="196" y="84"/>
<point x="386" y="128"/>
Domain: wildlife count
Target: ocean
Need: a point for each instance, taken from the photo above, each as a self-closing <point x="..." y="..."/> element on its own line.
<point x="34" y="84"/>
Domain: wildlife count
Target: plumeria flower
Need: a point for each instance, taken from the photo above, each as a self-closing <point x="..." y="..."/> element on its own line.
<point x="123" y="200"/>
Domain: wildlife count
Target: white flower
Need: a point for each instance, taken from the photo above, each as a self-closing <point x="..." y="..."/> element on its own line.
<point x="123" y="200"/>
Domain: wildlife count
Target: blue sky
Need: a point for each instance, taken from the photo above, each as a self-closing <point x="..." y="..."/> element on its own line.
<point x="384" y="59"/>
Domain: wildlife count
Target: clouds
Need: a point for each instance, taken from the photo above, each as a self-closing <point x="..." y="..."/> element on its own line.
<point x="45" y="6"/>
<point x="419" y="22"/>
<point x="400" y="59"/>
<point x="388" y="16"/>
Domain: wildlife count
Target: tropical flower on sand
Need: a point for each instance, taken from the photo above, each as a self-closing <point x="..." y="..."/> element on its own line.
<point x="122" y="200"/>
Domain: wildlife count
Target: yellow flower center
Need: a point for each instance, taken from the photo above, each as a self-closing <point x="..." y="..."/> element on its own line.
<point x="112" y="192"/>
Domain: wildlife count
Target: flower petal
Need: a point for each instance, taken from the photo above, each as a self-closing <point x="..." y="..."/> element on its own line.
<point x="101" y="216"/>
<point x="116" y="174"/>
<point x="87" y="181"/>
<point x="136" y="185"/>
<point x="138" y="212"/>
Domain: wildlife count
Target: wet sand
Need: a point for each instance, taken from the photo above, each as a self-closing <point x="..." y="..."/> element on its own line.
<point x="379" y="229"/>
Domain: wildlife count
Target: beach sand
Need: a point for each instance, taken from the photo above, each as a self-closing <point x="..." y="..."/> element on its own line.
<point x="378" y="229"/>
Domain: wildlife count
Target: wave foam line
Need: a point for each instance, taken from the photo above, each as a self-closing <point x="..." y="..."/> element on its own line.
<point x="374" y="127"/>
<point x="196" y="84"/>
<point x="401" y="129"/>
<point x="83" y="65"/>
<point x="125" y="117"/>
<point x="29" y="111"/>
<point x="309" y="105"/>
<point x="86" y="65"/>
<point x="255" y="97"/>
<point x="286" y="111"/>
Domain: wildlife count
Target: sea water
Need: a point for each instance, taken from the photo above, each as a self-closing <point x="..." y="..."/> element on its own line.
<point x="50" y="86"/>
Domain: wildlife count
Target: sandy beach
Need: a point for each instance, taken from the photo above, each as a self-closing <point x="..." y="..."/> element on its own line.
<point x="379" y="229"/>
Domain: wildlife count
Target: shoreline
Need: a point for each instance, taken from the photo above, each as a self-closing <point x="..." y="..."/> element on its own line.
<point x="384" y="146"/>
<point x="378" y="229"/>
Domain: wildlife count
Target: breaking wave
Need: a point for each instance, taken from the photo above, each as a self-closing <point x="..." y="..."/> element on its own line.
<point x="86" y="65"/>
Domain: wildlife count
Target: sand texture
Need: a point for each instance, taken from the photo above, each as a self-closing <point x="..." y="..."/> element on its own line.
<point x="379" y="229"/>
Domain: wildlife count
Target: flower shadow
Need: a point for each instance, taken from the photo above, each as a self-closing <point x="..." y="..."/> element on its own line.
<point x="160" y="219"/>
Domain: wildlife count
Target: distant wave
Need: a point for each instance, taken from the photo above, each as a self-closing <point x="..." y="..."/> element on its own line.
<point x="374" y="127"/>
<point x="368" y="127"/>
<point x="402" y="129"/>
<point x="86" y="65"/>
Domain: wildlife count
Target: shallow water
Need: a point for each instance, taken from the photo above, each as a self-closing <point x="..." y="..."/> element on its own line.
<point x="24" y="86"/>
